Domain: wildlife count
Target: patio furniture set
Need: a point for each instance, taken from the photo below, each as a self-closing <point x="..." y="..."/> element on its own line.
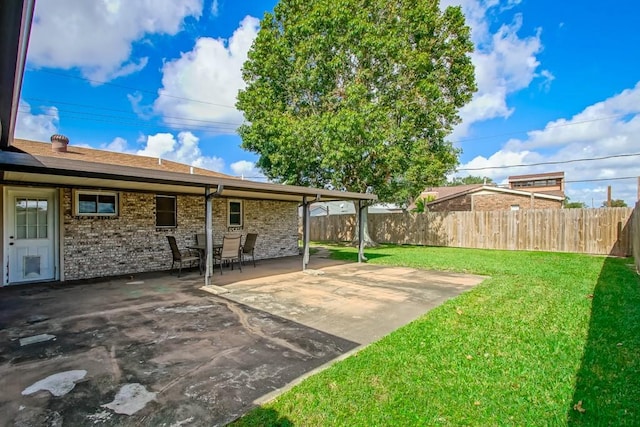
<point x="229" y="251"/>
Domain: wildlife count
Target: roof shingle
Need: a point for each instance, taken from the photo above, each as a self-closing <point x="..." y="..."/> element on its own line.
<point x="111" y="157"/>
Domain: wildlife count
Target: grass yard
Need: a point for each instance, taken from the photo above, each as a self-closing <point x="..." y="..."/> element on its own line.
<point x="549" y="339"/>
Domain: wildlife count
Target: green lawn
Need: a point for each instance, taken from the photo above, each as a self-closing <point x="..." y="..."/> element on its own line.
<point x="545" y="332"/>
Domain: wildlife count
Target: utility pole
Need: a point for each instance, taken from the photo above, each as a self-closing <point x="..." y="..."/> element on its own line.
<point x="609" y="196"/>
<point x="638" y="198"/>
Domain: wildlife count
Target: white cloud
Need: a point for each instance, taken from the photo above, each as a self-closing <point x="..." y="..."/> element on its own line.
<point x="504" y="61"/>
<point x="143" y="111"/>
<point x="606" y="128"/>
<point x="37" y="127"/>
<point x="613" y="123"/>
<point x="183" y="149"/>
<point x="211" y="72"/>
<point x="97" y="36"/>
<point x="215" y="8"/>
<point x="118" y="144"/>
<point x="247" y="169"/>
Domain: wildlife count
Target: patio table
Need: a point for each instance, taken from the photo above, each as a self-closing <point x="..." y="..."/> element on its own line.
<point x="201" y="252"/>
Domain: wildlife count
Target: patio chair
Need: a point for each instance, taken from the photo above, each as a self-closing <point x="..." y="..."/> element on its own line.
<point x="182" y="257"/>
<point x="230" y="251"/>
<point x="249" y="247"/>
<point x="201" y="239"/>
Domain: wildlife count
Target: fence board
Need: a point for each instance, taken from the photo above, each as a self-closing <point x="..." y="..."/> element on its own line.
<point x="635" y="236"/>
<point x="593" y="231"/>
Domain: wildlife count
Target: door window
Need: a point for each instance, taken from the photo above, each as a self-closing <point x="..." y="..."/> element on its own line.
<point x="31" y="218"/>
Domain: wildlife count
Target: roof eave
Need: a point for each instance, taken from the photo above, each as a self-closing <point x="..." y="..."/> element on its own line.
<point x="22" y="162"/>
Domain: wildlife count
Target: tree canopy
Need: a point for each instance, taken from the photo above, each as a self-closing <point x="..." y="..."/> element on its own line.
<point x="357" y="96"/>
<point x="575" y="205"/>
<point x="615" y="203"/>
<point x="470" y="179"/>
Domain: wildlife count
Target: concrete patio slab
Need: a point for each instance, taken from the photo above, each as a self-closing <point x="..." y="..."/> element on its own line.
<point x="158" y="350"/>
<point x="357" y="302"/>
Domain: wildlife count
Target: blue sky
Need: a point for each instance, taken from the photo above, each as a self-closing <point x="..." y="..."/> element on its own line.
<point x="557" y="81"/>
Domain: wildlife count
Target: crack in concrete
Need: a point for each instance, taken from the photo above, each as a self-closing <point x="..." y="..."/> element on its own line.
<point x="117" y="373"/>
<point x="199" y="368"/>
<point x="244" y="321"/>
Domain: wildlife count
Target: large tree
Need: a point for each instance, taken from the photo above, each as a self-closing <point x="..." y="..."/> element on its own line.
<point x="357" y="95"/>
<point x="470" y="179"/>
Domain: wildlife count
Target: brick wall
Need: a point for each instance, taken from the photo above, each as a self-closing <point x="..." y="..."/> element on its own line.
<point x="461" y="203"/>
<point x="502" y="201"/>
<point x="131" y="243"/>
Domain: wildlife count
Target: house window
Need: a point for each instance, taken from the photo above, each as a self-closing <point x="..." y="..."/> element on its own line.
<point x="234" y="210"/>
<point x="166" y="212"/>
<point x="96" y="203"/>
<point x="515" y="207"/>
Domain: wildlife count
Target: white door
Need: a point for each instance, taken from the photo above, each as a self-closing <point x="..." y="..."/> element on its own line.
<point x="30" y="235"/>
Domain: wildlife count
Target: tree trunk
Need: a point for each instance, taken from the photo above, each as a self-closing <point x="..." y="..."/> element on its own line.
<point x="368" y="241"/>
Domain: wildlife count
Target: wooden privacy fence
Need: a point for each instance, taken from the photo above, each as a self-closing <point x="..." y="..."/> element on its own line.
<point x="635" y="236"/>
<point x="590" y="231"/>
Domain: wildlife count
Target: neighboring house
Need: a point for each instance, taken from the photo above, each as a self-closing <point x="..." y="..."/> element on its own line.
<point x="76" y="213"/>
<point x="479" y="197"/>
<point x="347" y="207"/>
<point x="545" y="183"/>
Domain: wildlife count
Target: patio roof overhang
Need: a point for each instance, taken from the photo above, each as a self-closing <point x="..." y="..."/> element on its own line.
<point x="26" y="169"/>
<point x="15" y="25"/>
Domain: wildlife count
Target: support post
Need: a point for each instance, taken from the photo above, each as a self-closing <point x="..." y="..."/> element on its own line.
<point x="305" y="233"/>
<point x="208" y="229"/>
<point x="361" y="214"/>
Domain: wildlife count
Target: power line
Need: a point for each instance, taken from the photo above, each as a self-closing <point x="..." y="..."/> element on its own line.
<point x="155" y="93"/>
<point x="135" y="118"/>
<point x="138" y="123"/>
<point x="558" y="162"/>
<point x="548" y="127"/>
<point x="51" y="101"/>
<point x="601" y="179"/>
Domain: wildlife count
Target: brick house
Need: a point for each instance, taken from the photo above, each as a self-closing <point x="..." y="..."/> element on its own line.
<point x="74" y="213"/>
<point x="545" y="183"/>
<point x="479" y="197"/>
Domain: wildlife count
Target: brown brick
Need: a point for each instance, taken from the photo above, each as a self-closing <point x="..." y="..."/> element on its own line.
<point x="131" y="243"/>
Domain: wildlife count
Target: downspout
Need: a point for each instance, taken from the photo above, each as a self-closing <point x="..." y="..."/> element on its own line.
<point x="208" y="229"/>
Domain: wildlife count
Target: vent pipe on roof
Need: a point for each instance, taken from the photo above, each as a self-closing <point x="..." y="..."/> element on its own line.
<point x="59" y="143"/>
<point x="159" y="160"/>
<point x="191" y="170"/>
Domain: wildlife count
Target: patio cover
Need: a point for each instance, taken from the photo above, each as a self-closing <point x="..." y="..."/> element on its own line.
<point x="18" y="168"/>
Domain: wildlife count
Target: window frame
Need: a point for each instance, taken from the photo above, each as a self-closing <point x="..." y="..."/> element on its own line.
<point x="175" y="210"/>
<point x="240" y="202"/>
<point x="96" y="193"/>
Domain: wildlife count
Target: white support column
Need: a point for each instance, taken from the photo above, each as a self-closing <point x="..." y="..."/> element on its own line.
<point x="305" y="233"/>
<point x="361" y="213"/>
<point x="208" y="229"/>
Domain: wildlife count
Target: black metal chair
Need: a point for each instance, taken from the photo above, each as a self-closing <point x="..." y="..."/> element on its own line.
<point x="181" y="257"/>
<point x="249" y="247"/>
